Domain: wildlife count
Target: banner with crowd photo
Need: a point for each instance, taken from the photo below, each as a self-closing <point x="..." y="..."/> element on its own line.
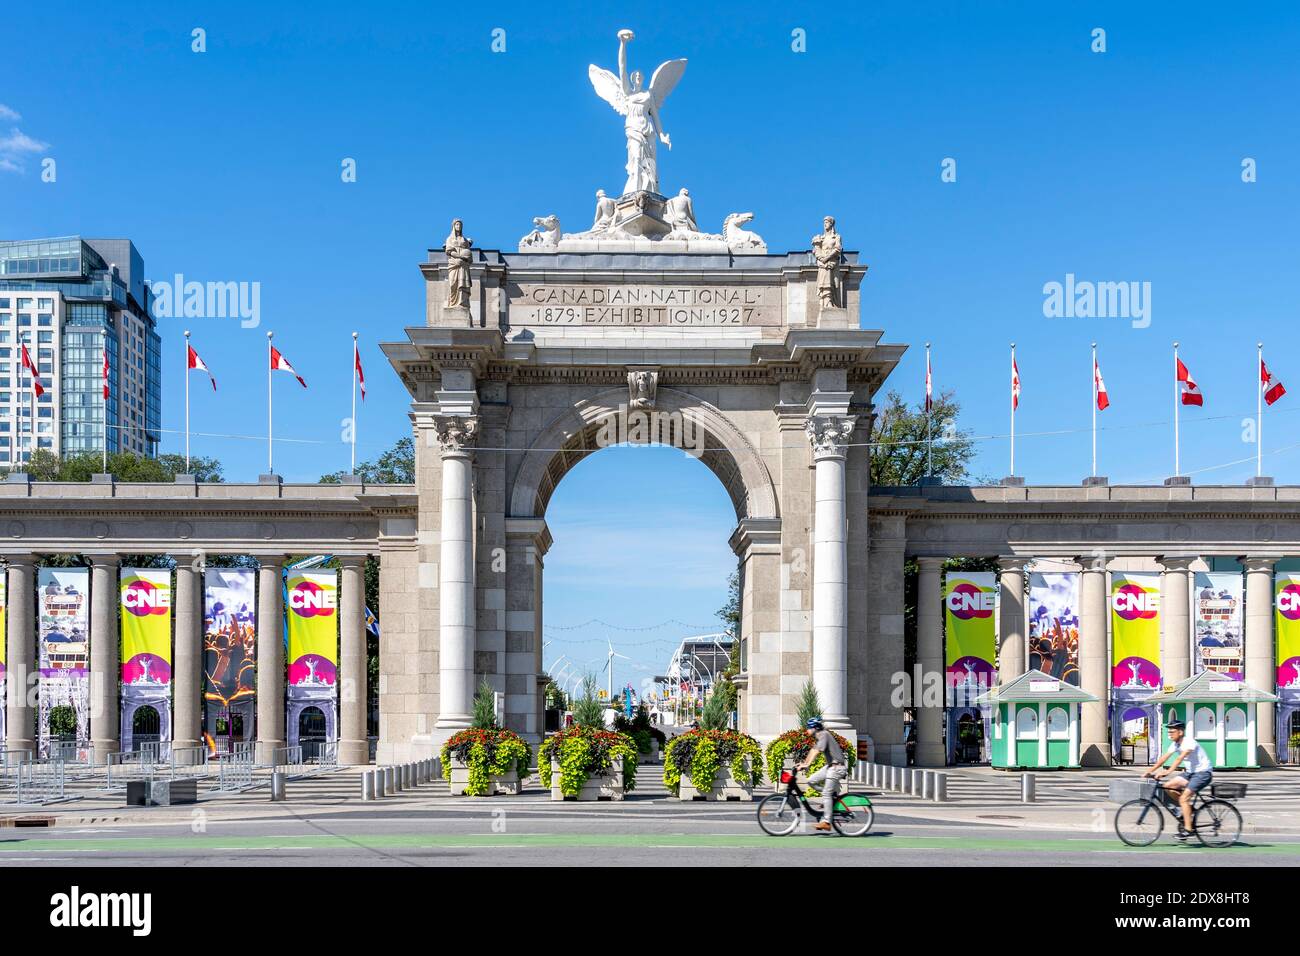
<point x="1218" y="622"/>
<point x="229" y="657"/>
<point x="970" y="652"/>
<point x="1135" y="659"/>
<point x="311" y="606"/>
<point x="4" y="642"/>
<point x="1286" y="626"/>
<point x="146" y="616"/>
<point x="63" y="659"/>
<point x="1054" y="624"/>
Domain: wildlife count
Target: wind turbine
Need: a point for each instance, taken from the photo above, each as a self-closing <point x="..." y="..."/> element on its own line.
<point x="609" y="668"/>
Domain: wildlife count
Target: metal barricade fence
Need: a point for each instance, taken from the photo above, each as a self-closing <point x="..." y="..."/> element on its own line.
<point x="123" y="768"/>
<point x="40" y="782"/>
<point x="10" y="760"/>
<point x="327" y="755"/>
<point x="185" y="762"/>
<point x="235" y="771"/>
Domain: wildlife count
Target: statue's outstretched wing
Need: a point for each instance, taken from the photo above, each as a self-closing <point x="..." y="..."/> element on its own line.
<point x="608" y="88"/>
<point x="665" y="79"/>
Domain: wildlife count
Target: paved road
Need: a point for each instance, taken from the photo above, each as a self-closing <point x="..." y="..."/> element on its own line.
<point x="501" y="835"/>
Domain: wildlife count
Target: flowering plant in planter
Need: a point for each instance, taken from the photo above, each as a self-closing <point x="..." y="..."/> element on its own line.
<point x="582" y="751"/>
<point x="700" y="754"/>
<point x="795" y="745"/>
<point x="486" y="753"/>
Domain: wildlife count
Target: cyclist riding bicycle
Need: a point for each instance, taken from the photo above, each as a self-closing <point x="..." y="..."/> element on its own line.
<point x="1188" y="782"/>
<point x="828" y="778"/>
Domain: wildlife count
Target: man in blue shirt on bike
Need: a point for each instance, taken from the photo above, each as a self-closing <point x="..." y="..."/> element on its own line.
<point x="1198" y="772"/>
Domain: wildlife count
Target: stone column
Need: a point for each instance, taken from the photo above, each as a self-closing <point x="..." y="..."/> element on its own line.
<point x="1176" y="618"/>
<point x="187" y="688"/>
<point x="929" y="658"/>
<point x="1094" y="677"/>
<point x="20" y="659"/>
<point x="1011" y="619"/>
<point x="456" y="612"/>
<point x="829" y="436"/>
<point x="105" y="658"/>
<point x="270" y="657"/>
<point x="353" y="747"/>
<point x="1261" y="668"/>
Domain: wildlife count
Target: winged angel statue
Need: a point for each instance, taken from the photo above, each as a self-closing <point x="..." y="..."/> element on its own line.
<point x="641" y="107"/>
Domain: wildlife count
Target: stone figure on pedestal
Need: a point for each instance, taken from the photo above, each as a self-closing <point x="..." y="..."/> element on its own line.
<point x="604" y="212"/>
<point x="457" y="248"/>
<point x="681" y="212"/>
<point x="828" y="250"/>
<point x="643" y="125"/>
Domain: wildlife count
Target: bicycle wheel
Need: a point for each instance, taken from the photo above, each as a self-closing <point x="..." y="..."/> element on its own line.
<point x="778" y="815"/>
<point x="1139" y="822"/>
<point x="853" y="821"/>
<point x="1217" y="823"/>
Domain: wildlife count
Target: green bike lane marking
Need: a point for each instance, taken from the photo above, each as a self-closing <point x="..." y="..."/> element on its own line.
<point x="578" y="840"/>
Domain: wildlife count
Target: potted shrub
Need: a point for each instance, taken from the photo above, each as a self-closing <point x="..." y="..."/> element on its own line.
<point x="585" y="761"/>
<point x="788" y="750"/>
<point x="485" y="760"/>
<point x="713" y="765"/>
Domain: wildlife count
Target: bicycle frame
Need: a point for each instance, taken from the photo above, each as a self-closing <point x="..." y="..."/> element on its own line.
<point x="792" y="789"/>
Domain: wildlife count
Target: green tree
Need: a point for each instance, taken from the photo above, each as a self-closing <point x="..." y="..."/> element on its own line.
<point x="484" y="716"/>
<point x="588" y="711"/>
<point x="63" y="722"/>
<point x="810" y="705"/>
<point x="394" y="467"/>
<point x="716" y="712"/>
<point x="899" y="443"/>
<point x="44" y="465"/>
<point x="729" y="615"/>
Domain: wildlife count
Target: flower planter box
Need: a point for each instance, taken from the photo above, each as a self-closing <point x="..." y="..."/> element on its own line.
<point x="607" y="785"/>
<point x="506" y="783"/>
<point x="725" y="787"/>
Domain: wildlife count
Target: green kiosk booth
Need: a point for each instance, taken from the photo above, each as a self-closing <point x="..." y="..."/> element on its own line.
<point x="1035" y="722"/>
<point x="1219" y="713"/>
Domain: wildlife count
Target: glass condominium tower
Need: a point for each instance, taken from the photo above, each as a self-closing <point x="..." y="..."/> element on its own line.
<point x="73" y="301"/>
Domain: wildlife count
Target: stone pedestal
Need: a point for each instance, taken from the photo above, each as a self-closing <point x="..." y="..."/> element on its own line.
<point x="725" y="787"/>
<point x="506" y="783"/>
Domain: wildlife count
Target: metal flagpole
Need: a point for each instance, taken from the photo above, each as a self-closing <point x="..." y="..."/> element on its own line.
<point x="29" y="398"/>
<point x="1259" y="414"/>
<point x="929" y="444"/>
<point x="187" y="401"/>
<point x="270" y="462"/>
<point x="1094" y="409"/>
<point x="104" y="391"/>
<point x="1177" y="463"/>
<point x="353" y="469"/>
<point x="1013" y="410"/>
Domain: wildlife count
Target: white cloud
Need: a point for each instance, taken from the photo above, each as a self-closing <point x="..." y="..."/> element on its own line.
<point x="8" y="114"/>
<point x="16" y="145"/>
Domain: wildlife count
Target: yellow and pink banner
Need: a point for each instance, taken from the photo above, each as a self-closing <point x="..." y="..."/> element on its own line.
<point x="969" y="600"/>
<point x="146" y="627"/>
<point x="1286" y="604"/>
<point x="311" y="605"/>
<point x="1135" y="630"/>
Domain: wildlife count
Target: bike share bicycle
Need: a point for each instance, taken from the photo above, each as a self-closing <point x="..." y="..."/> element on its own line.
<point x="1216" y="822"/>
<point x="781" y="813"/>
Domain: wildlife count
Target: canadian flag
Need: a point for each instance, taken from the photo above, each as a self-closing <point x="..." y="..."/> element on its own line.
<point x="1015" y="385"/>
<point x="1273" y="389"/>
<point x="281" y="364"/>
<point x="1191" y="394"/>
<point x="194" y="362"/>
<point x="105" y="374"/>
<point x="31" y="367"/>
<point x="1103" y="400"/>
<point x="929" y="402"/>
<point x="361" y="376"/>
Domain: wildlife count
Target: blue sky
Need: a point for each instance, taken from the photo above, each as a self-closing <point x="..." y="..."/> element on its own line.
<point x="1116" y="166"/>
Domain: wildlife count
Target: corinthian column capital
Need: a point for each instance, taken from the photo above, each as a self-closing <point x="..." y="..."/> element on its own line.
<point x="829" y="434"/>
<point x="456" y="434"/>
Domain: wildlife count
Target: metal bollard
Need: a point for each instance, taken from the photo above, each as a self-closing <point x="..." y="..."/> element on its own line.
<point x="367" y="785"/>
<point x="918" y="778"/>
<point x="1027" y="788"/>
<point x="277" y="784"/>
<point x="411" y="782"/>
<point x="927" y="784"/>
<point x="895" y="778"/>
<point x="940" y="788"/>
<point x="390" y="781"/>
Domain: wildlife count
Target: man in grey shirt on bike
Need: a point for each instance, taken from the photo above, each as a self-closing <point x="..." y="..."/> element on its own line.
<point x="828" y="778"/>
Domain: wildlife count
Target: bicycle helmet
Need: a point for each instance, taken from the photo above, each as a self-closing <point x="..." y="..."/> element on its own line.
<point x="814" y="723"/>
<point x="1175" y="725"/>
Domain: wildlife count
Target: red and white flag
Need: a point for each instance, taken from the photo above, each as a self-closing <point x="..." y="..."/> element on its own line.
<point x="1190" y="393"/>
<point x="929" y="401"/>
<point x="281" y="364"/>
<point x="1272" y="387"/>
<point x="1103" y="400"/>
<point x="194" y="362"/>
<point x="106" y="374"/>
<point x="1015" y="385"/>
<point x="361" y="376"/>
<point x="30" y="366"/>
